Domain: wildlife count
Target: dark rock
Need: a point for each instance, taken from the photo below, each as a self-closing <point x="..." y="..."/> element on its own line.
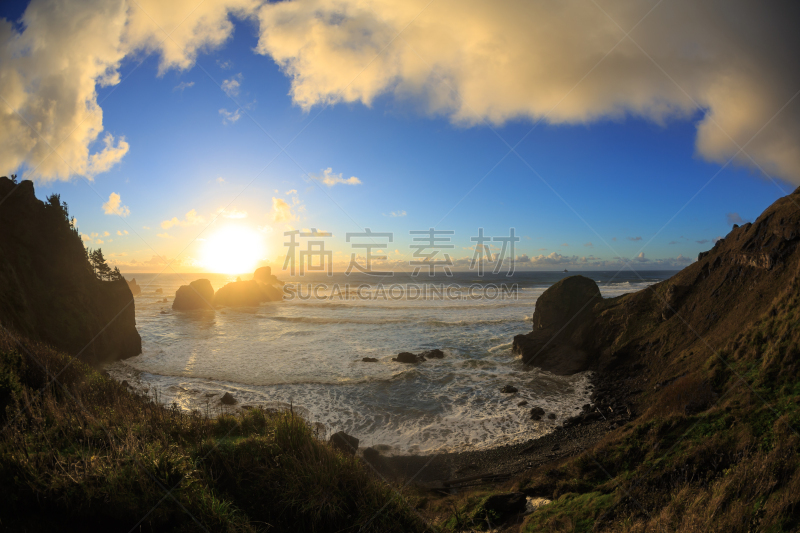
<point x="523" y="402"/>
<point x="344" y="442"/>
<point x="228" y="399"/>
<point x="371" y="454"/>
<point x="502" y="505"/>
<point x="561" y="326"/>
<point x="264" y="287"/>
<point x="509" y="389"/>
<point x="199" y="294"/>
<point x="551" y="416"/>
<point x="369" y="360"/>
<point x="407" y="357"/>
<point x="433" y="354"/>
<point x="537" y="411"/>
<point x="125" y="383"/>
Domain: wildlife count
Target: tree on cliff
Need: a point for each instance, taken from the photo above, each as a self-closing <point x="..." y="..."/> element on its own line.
<point x="101" y="268"/>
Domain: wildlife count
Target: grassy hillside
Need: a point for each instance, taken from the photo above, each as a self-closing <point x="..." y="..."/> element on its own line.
<point x="87" y="454"/>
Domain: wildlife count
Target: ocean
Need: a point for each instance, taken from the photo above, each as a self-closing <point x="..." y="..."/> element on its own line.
<point x="306" y="353"/>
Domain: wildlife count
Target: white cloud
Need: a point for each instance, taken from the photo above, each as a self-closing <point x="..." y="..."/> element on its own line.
<point x="397" y="214"/>
<point x="164" y="235"/>
<point x="229" y="117"/>
<point x="495" y="63"/>
<point x="191" y="219"/>
<point x="282" y="211"/>
<point x="122" y="232"/>
<point x="106" y="234"/>
<point x="220" y="180"/>
<point x="290" y="192"/>
<point x="183" y="85"/>
<point x="232" y="213"/>
<point x="113" y="206"/>
<point x="231" y="86"/>
<point x="330" y="179"/>
<point x="734" y="218"/>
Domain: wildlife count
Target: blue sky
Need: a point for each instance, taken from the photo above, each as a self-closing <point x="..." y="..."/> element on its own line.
<point x="611" y="186"/>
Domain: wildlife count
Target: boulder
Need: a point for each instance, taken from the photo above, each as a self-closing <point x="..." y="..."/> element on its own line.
<point x="228" y="399"/>
<point x="407" y="357"/>
<point x="369" y="360"/>
<point x="436" y="353"/>
<point x="501" y="505"/>
<point x="537" y="413"/>
<point x="344" y="442"/>
<point x="509" y="389"/>
<point x="372" y="455"/>
<point x="264" y="287"/>
<point x="562" y="327"/>
<point x="199" y="294"/>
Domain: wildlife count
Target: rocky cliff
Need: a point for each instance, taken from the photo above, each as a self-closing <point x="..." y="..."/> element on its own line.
<point x="48" y="290"/>
<point x="678" y="323"/>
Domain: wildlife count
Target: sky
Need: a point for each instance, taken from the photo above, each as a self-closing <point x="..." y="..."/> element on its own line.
<point x="190" y="136"/>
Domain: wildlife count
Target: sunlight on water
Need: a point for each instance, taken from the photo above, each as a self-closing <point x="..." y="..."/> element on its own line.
<point x="308" y="353"/>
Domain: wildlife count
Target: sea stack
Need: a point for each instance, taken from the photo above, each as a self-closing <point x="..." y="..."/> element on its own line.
<point x="199" y="294"/>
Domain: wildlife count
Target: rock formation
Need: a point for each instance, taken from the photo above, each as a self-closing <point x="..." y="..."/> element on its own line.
<point x="706" y="304"/>
<point x="264" y="287"/>
<point x="134" y="287"/>
<point x="344" y="442"/>
<point x="198" y="294"/>
<point x="48" y="290"/>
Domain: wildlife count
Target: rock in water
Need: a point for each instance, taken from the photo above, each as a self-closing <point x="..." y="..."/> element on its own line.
<point x="134" y="287"/>
<point x="407" y="357"/>
<point x="369" y="360"/>
<point x="264" y="287"/>
<point x="344" y="442"/>
<point x="537" y="413"/>
<point x="199" y="294"/>
<point x="433" y="354"/>
<point x="509" y="389"/>
<point x="228" y="399"/>
<point x="562" y="322"/>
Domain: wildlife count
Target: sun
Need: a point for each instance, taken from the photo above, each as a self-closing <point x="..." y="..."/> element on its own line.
<point x="233" y="250"/>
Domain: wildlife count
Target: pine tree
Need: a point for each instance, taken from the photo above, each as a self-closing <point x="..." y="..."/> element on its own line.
<point x="102" y="270"/>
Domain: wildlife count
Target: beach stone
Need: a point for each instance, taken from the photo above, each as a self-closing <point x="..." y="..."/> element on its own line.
<point x="433" y="354"/>
<point x="406" y="357"/>
<point x="523" y="402"/>
<point x="344" y="442"/>
<point x="228" y="399"/>
<point x="509" y="389"/>
<point x="505" y="504"/>
<point x="551" y="416"/>
<point x="537" y="411"/>
<point x="369" y="360"/>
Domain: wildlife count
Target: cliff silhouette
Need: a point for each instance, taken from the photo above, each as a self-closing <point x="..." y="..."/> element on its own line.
<point x="48" y="290"/>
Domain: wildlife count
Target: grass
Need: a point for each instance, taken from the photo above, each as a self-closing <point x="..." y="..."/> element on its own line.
<point x="718" y="449"/>
<point x="88" y="454"/>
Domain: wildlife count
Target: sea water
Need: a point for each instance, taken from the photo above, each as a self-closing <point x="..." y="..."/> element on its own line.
<point x="307" y="354"/>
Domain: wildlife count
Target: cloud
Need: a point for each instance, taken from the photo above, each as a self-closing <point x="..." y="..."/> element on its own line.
<point x="717" y="239"/>
<point x="703" y="241"/>
<point x="229" y="117"/>
<point x="220" y="180"/>
<point x="113" y="207"/>
<point x="397" y="214"/>
<point x="281" y="211"/>
<point x="734" y="218"/>
<point x="164" y="235"/>
<point x="552" y="61"/>
<point x="232" y="213"/>
<point x="231" y="86"/>
<point x="85" y="238"/>
<point x="224" y="65"/>
<point x="330" y="179"/>
<point x="122" y="232"/>
<point x="290" y="192"/>
<point x="564" y="244"/>
<point x="502" y="62"/>
<point x="634" y="238"/>
<point x="183" y="85"/>
<point x="641" y="258"/>
<point x="106" y="234"/>
<point x="191" y="219"/>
